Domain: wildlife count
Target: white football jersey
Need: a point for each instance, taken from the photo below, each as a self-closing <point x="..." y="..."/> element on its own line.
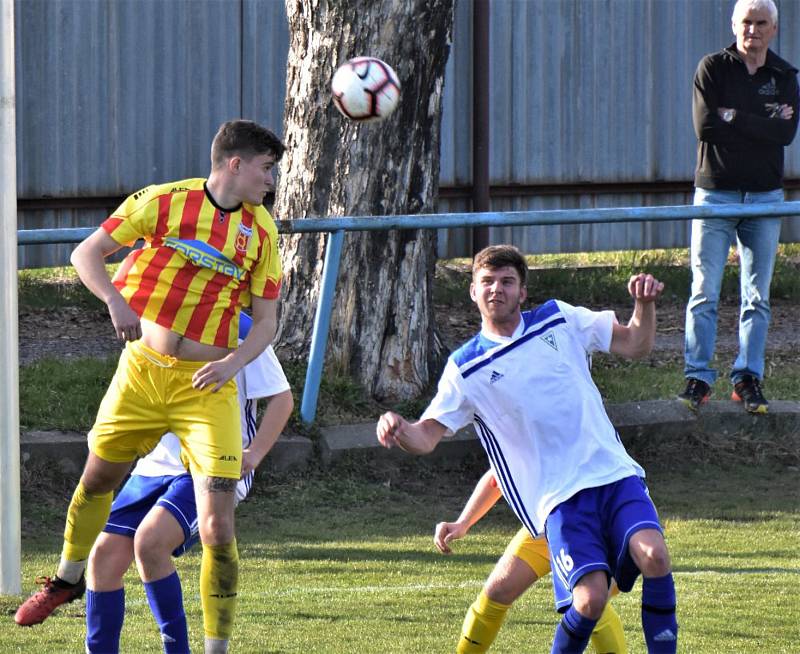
<point x="536" y="408"/>
<point x="262" y="377"/>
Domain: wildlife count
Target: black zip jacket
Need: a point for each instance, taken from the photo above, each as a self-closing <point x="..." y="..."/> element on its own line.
<point x="746" y="154"/>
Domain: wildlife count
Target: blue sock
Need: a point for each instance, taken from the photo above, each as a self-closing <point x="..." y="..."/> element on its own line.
<point x="658" y="615"/>
<point x="166" y="603"/>
<point x="572" y="633"/>
<point x="105" y="612"/>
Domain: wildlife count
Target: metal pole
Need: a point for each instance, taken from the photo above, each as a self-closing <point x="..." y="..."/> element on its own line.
<point x="480" y="118"/>
<point x="10" y="544"/>
<point x="322" y="323"/>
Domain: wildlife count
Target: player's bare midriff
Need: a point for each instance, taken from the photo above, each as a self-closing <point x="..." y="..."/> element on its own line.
<point x="166" y="341"/>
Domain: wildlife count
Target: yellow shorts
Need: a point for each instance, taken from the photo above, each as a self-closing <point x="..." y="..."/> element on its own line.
<point x="152" y="394"/>
<point x="533" y="551"/>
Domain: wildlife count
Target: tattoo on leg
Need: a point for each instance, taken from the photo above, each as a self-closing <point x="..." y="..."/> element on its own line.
<point x="206" y="485"/>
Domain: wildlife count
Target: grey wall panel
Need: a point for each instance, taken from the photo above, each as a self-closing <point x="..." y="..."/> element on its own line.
<point x="113" y="95"/>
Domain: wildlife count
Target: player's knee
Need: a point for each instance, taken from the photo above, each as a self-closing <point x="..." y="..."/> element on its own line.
<point x="651" y="557"/>
<point x="591" y="604"/>
<point x="217" y="528"/>
<point x="500" y="591"/>
<point x="150" y="551"/>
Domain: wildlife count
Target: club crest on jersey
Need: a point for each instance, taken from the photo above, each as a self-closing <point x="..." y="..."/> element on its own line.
<point x="550" y="339"/>
<point x="243" y="239"/>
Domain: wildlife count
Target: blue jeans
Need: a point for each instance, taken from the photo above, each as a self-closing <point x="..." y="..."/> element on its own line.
<point x="757" y="242"/>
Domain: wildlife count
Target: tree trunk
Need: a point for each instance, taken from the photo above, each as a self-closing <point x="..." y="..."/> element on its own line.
<point x="382" y="329"/>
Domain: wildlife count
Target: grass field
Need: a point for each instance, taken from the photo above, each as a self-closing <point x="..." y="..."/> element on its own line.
<point x="342" y="561"/>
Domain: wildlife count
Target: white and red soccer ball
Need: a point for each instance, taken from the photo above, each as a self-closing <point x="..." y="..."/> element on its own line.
<point x="365" y="89"/>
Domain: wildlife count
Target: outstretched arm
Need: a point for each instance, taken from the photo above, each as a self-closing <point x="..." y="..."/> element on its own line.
<point x="415" y="438"/>
<point x="635" y="340"/>
<point x="484" y="497"/>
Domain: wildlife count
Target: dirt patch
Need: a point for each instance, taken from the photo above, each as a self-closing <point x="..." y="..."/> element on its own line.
<point x="71" y="332"/>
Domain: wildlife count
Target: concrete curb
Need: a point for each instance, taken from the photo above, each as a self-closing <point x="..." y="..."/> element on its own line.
<point x="637" y="422"/>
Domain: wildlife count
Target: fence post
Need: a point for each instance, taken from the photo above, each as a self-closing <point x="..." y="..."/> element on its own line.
<point x="322" y="323"/>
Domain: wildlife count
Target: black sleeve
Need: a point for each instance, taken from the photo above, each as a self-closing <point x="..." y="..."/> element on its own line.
<point x="708" y="126"/>
<point x="776" y="131"/>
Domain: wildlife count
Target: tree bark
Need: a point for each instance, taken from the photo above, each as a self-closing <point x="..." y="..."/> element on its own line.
<point x="382" y="329"/>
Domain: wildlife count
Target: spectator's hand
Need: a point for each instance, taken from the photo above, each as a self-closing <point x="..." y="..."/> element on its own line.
<point x="447" y="532"/>
<point x="125" y="320"/>
<point x="214" y="373"/>
<point x="786" y="111"/>
<point x="644" y="287"/>
<point x="390" y="424"/>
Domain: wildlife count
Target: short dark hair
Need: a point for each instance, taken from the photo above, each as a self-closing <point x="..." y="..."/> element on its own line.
<point x="500" y="256"/>
<point x="246" y="139"/>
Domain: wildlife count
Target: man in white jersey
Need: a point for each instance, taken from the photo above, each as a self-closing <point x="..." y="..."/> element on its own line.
<point x="154" y="516"/>
<point x="560" y="464"/>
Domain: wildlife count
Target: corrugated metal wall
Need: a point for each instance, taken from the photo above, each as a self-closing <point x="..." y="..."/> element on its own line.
<point x="115" y="95"/>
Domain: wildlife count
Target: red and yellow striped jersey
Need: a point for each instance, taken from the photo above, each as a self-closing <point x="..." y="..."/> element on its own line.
<point x="199" y="264"/>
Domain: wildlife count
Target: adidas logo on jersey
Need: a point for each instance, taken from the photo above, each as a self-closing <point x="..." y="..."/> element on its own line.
<point x="665" y="636"/>
<point x="495" y="377"/>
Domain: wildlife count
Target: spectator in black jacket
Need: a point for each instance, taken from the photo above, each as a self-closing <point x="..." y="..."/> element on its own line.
<point x="745" y="111"/>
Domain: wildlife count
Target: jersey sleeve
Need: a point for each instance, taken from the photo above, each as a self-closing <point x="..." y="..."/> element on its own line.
<point x="593" y="329"/>
<point x="451" y="406"/>
<point x="264" y="377"/>
<point x="265" y="278"/>
<point x="135" y="218"/>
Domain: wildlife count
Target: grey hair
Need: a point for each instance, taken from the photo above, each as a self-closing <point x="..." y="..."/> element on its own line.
<point x="742" y="6"/>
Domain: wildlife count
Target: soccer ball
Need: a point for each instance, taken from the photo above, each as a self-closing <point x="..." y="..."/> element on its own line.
<point x="365" y="89"/>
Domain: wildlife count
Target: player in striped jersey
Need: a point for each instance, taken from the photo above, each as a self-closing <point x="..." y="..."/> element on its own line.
<point x="524" y="382"/>
<point x="210" y="248"/>
<point x="154" y="516"/>
<point x="525" y="560"/>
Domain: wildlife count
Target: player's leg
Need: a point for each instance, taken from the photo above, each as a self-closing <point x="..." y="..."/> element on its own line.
<point x="219" y="566"/>
<point x="649" y="552"/>
<point x="110" y="558"/>
<point x="209" y="426"/>
<point x="636" y="534"/>
<point x="524" y="560"/>
<point x="87" y="513"/>
<point x="126" y="426"/>
<point x="166" y="531"/>
<point x="579" y="561"/>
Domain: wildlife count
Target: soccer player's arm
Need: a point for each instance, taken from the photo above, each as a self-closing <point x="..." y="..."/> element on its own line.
<point x="265" y="284"/>
<point x="484" y="496"/>
<point x="419" y="437"/>
<point x="635" y="340"/>
<point x="89" y="262"/>
<point x="279" y="409"/>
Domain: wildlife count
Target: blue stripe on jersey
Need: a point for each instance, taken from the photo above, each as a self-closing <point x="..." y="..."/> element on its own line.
<point x="478" y="345"/>
<point x="511" y="346"/>
<point x="510" y="491"/>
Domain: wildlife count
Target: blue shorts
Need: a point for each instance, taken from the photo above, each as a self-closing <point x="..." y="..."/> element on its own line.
<point x="140" y="494"/>
<point x="591" y="531"/>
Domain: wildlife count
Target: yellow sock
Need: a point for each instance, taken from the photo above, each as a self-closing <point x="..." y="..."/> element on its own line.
<point x="608" y="636"/>
<point x="219" y="583"/>
<point x="481" y="624"/>
<point x="86" y="517"/>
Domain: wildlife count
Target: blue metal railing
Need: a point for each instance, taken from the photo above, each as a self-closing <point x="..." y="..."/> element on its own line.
<point x="338" y="226"/>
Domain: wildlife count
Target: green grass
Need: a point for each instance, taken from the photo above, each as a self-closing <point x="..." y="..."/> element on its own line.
<point x="342" y="561"/>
